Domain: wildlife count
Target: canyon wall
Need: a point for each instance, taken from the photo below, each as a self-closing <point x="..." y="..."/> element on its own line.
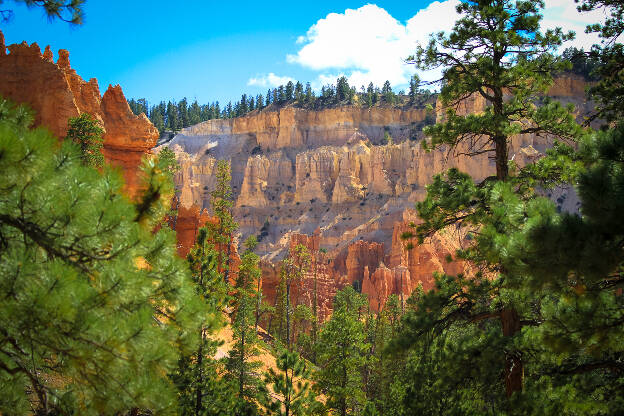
<point x="332" y="180"/>
<point x="56" y="93"/>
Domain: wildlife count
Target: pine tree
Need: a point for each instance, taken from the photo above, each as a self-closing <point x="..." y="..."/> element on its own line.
<point x="299" y="92"/>
<point x="268" y="97"/>
<point x="243" y="106"/>
<point x="609" y="91"/>
<point x="183" y="116"/>
<point x="510" y="67"/>
<point x="168" y="162"/>
<point x="289" y="91"/>
<point x="292" y="270"/>
<point x="93" y="297"/>
<point x="85" y="132"/>
<point x="69" y="11"/>
<point x="413" y="89"/>
<point x="341" y="355"/>
<point x="194" y="113"/>
<point x="309" y="96"/>
<point x="240" y="362"/>
<point x="221" y="232"/>
<point x="172" y="117"/>
<point x="388" y="95"/>
<point x="343" y="91"/>
<point x="201" y="391"/>
<point x="292" y="387"/>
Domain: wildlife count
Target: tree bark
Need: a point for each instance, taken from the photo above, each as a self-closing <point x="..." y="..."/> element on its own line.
<point x="514" y="368"/>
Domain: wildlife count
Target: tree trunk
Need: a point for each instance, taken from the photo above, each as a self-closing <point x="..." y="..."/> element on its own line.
<point x="288" y="315"/>
<point x="315" y="312"/>
<point x="514" y="368"/>
<point x="510" y="322"/>
<point x="502" y="158"/>
<point x="200" y="379"/>
<point x="258" y="302"/>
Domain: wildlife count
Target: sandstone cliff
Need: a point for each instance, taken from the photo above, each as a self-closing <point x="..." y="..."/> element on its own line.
<point x="56" y="93"/>
<point x="332" y="176"/>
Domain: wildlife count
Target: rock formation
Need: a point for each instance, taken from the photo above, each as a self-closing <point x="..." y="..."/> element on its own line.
<point x="56" y="93"/>
<point x="332" y="172"/>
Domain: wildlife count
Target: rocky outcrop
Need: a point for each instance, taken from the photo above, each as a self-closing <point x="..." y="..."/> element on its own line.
<point x="337" y="174"/>
<point x="56" y="93"/>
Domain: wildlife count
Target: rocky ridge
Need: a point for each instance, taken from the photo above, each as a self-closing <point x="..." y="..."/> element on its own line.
<point x="331" y="180"/>
<point x="56" y="93"/>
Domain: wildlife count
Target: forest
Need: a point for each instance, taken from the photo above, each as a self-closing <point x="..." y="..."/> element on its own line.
<point x="174" y="116"/>
<point x="101" y="317"/>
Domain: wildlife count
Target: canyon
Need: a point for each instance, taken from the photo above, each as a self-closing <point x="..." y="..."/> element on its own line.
<point x="340" y="181"/>
<point x="343" y="182"/>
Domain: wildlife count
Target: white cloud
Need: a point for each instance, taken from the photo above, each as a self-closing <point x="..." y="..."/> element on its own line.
<point x="270" y="80"/>
<point x="369" y="45"/>
<point x="563" y="14"/>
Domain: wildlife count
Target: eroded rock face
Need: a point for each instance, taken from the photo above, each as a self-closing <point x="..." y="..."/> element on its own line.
<point x="329" y="180"/>
<point x="56" y="93"/>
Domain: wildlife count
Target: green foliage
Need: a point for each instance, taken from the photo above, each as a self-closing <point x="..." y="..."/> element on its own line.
<point x="342" y="355"/>
<point x="221" y="231"/>
<point x="69" y="11"/>
<point x="291" y="387"/>
<point x="86" y="133"/>
<point x="93" y="298"/>
<point x="201" y="389"/>
<point x="168" y="162"/>
<point x="507" y="61"/>
<point x="292" y="270"/>
<point x="240" y="362"/>
<point x="609" y="54"/>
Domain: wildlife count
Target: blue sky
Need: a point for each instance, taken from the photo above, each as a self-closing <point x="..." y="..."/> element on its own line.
<point x="208" y="50"/>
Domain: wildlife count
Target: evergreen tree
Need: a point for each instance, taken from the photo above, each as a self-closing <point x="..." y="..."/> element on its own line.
<point x="86" y="133"/>
<point x="194" y="113"/>
<point x="221" y="232"/>
<point x="92" y="296"/>
<point x="413" y="89"/>
<point x="388" y="95"/>
<point x="289" y="91"/>
<point x="69" y="11"/>
<point x="343" y="91"/>
<point x="172" y="117"/>
<point x="509" y="66"/>
<point x="370" y="95"/>
<point x="341" y="355"/>
<point x="268" y="97"/>
<point x="217" y="110"/>
<point x="259" y="102"/>
<point x="201" y="391"/>
<point x="308" y="93"/>
<point x="183" y="117"/>
<point x="292" y="270"/>
<point x="240" y="362"/>
<point x="299" y="91"/>
<point x="157" y="119"/>
<point x="281" y="94"/>
<point x="291" y="385"/>
<point x="243" y="106"/>
<point x="609" y="91"/>
<point x="168" y="162"/>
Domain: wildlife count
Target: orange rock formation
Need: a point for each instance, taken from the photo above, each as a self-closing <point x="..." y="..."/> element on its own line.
<point x="56" y="93"/>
